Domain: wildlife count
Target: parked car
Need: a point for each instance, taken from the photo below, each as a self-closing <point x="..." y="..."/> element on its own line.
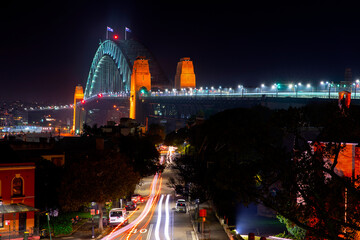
<point x="137" y="198"/>
<point x="130" y="206"/>
<point x="117" y="216"/>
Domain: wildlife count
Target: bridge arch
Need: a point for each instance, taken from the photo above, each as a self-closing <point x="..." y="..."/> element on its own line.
<point x="110" y="70"/>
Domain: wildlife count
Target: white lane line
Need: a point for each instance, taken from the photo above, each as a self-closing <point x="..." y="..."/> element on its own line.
<point x="149" y="232"/>
<point x="157" y="236"/>
<point x="167" y="217"/>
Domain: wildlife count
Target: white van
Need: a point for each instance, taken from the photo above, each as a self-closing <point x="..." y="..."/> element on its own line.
<point x="117" y="216"/>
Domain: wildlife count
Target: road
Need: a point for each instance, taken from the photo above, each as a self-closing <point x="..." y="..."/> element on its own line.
<point x="156" y="218"/>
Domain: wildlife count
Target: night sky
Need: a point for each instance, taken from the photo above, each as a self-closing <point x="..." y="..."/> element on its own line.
<point x="47" y="46"/>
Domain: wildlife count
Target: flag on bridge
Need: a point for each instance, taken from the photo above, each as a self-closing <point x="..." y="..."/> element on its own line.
<point x="108" y="29"/>
<point x="127" y="30"/>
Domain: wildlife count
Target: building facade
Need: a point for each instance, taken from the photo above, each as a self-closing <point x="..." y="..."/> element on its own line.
<point x="17" y="199"/>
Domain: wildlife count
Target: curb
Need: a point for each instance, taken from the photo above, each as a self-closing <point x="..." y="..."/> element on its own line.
<point x="193" y="225"/>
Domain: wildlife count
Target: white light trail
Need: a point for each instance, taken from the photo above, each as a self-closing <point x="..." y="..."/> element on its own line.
<point x="167" y="210"/>
<point x="157" y="236"/>
<point x="142" y="215"/>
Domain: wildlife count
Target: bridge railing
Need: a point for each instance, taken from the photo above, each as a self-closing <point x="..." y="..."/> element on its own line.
<point x="282" y="94"/>
<point x="205" y="93"/>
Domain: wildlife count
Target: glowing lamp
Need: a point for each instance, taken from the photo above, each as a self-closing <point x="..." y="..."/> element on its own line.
<point x="100" y="95"/>
<point x="116" y="37"/>
<point x="82" y="101"/>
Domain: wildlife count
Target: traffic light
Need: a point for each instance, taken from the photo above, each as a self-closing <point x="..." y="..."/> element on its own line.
<point x="100" y="95"/>
<point x="83" y="101"/>
<point x="116" y="37"/>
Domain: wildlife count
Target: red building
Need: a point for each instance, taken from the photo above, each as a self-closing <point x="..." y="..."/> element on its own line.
<point x="17" y="200"/>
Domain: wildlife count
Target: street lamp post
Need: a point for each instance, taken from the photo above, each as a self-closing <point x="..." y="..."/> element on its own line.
<point x="48" y="221"/>
<point x="356" y="85"/>
<point x="262" y="86"/>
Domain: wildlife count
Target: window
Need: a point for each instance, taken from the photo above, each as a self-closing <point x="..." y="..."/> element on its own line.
<point x="17" y="187"/>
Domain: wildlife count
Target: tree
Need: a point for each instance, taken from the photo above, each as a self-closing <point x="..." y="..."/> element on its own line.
<point x="47" y="180"/>
<point x="156" y="133"/>
<point x="99" y="178"/>
<point x="141" y="154"/>
<point x="258" y="155"/>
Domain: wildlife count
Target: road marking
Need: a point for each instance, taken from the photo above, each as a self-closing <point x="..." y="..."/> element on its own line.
<point x="167" y="217"/>
<point x="149" y="233"/>
<point x="157" y="236"/>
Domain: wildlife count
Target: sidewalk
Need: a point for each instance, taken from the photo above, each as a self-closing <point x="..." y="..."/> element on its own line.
<point x="212" y="227"/>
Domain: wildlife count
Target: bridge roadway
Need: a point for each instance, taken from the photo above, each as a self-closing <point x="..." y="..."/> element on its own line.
<point x="206" y="95"/>
<point x="174" y="108"/>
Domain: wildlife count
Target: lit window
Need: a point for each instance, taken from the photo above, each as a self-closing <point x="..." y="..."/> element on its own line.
<point x="1" y="220"/>
<point x="17" y="187"/>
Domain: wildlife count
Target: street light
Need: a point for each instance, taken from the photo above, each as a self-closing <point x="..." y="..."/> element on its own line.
<point x="356" y="85"/>
<point x="262" y="86"/>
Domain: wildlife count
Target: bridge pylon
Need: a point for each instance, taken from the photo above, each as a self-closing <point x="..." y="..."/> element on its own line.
<point x="140" y="79"/>
<point x="185" y="76"/>
<point x="77" y="119"/>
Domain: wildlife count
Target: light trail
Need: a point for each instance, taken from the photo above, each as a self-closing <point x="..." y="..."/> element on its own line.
<point x="143" y="214"/>
<point x="167" y="210"/>
<point x="153" y="206"/>
<point x="152" y="211"/>
<point x="157" y="236"/>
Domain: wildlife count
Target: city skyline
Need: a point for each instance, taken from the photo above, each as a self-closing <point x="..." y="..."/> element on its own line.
<point x="47" y="49"/>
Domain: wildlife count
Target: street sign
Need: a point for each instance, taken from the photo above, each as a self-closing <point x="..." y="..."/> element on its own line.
<point x="202" y="213"/>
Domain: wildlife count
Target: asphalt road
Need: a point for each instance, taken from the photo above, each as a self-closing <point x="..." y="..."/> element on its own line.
<point x="156" y="218"/>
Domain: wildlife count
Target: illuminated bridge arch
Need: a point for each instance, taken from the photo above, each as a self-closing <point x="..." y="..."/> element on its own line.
<point x="110" y="70"/>
<point x="112" y="64"/>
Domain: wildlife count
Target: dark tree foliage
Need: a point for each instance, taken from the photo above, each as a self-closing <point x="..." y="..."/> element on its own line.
<point x="48" y="179"/>
<point x="258" y="155"/>
<point x="177" y="138"/>
<point x="102" y="176"/>
<point x="156" y="133"/>
<point x="141" y="154"/>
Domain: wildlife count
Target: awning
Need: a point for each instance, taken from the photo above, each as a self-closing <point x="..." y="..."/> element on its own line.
<point x="16" y="208"/>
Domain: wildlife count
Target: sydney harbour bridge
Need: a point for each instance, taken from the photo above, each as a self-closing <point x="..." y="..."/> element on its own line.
<point x="126" y="80"/>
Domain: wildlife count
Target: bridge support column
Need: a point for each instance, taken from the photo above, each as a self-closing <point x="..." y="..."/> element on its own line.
<point x="77" y="119"/>
<point x="185" y="76"/>
<point x="140" y="81"/>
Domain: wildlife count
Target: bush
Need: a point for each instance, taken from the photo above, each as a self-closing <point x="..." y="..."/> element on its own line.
<point x="62" y="224"/>
<point x="284" y="235"/>
<point x="297" y="232"/>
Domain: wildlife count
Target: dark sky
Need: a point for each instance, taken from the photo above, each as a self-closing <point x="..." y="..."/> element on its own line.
<point x="47" y="46"/>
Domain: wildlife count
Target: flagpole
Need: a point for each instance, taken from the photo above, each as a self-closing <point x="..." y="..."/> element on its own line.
<point x="107" y="34"/>
<point x="125" y="33"/>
